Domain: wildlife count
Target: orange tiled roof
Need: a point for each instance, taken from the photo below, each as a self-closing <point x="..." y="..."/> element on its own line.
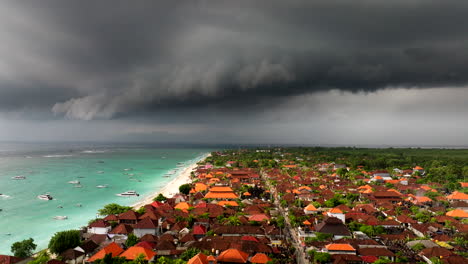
<point x="464" y="184"/>
<point x="133" y="252"/>
<point x="310" y="207"/>
<point x="221" y="195"/>
<point x="184" y="206"/>
<point x="233" y="255"/>
<point x="221" y="189"/>
<point x="200" y="187"/>
<point x="456" y="195"/>
<point x="418" y="168"/>
<point x="340" y="247"/>
<point x="335" y="211"/>
<point x="112" y="249"/>
<point x="260" y="258"/>
<point x="423" y="199"/>
<point x="230" y="203"/>
<point x="306" y="222"/>
<point x="199" y="258"/>
<point x="457" y="213"/>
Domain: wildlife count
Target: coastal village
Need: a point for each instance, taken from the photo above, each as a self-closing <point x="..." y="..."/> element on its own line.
<point x="283" y="206"/>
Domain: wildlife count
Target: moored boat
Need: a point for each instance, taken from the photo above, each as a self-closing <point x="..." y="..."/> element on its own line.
<point x="74" y="182"/>
<point x="19" y="177"/>
<point x="128" y="194"/>
<point x="45" y="197"/>
<point x="60" y="217"/>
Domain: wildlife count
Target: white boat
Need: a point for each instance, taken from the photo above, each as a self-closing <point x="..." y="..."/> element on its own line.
<point x="46" y="197"/>
<point x="60" y="217"/>
<point x="19" y="177"/>
<point x="74" y="182"/>
<point x="128" y="169"/>
<point x="4" y="195"/>
<point x="128" y="194"/>
<point x="100" y="172"/>
<point x="102" y="186"/>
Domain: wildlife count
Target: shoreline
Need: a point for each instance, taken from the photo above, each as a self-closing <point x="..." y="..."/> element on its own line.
<point x="172" y="187"/>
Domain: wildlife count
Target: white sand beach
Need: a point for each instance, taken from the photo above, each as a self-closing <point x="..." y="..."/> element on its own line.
<point x="173" y="186"/>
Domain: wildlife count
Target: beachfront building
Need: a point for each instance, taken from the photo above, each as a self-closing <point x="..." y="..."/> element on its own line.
<point x="100" y="227"/>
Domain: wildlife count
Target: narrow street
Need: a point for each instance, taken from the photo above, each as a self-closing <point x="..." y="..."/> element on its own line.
<point x="291" y="234"/>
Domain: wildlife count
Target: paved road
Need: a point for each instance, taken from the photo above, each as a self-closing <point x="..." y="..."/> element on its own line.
<point x="291" y="234"/>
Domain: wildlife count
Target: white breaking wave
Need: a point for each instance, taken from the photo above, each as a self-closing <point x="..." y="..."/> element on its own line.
<point x="93" y="151"/>
<point x="57" y="156"/>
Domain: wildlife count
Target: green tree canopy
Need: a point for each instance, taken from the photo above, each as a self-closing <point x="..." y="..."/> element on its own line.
<point x="185" y="188"/>
<point x="160" y="198"/>
<point x="23" y="249"/>
<point x="113" y="208"/>
<point x="131" y="240"/>
<point x="41" y="258"/>
<point x="64" y="240"/>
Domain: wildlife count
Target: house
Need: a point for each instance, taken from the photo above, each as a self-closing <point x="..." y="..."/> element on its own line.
<point x="334" y="226"/>
<point x="260" y="258"/>
<point x="73" y="256"/>
<point x="340" y="249"/>
<point x="375" y="252"/>
<point x="233" y="256"/>
<point x="129" y="217"/>
<point x="418" y="169"/>
<point x="201" y="258"/>
<point x="335" y="212"/>
<point x="457" y="213"/>
<point x="389" y="196"/>
<point x="145" y="226"/>
<point x="224" y="192"/>
<point x="112" y="249"/>
<point x="100" y="227"/>
<point x="121" y="230"/>
<point x="457" y="196"/>
<point x="133" y="252"/>
<point x="310" y="209"/>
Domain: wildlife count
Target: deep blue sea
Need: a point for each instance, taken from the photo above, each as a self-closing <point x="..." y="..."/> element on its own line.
<point x="49" y="168"/>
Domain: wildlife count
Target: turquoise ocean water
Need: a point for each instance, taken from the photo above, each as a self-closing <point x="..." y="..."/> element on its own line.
<point x="48" y="169"/>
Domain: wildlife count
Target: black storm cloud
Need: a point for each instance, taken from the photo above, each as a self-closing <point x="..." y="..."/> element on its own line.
<point x="105" y="59"/>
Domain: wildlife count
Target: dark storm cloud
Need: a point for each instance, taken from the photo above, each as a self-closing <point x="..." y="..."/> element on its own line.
<point x="118" y="58"/>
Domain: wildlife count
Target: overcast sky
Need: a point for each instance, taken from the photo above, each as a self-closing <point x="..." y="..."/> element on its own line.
<point x="360" y="72"/>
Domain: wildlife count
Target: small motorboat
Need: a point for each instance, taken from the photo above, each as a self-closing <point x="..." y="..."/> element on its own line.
<point x="19" y="177"/>
<point x="45" y="197"/>
<point x="60" y="217"/>
<point x="74" y="182"/>
<point x="78" y="205"/>
<point x="100" y="172"/>
<point x="128" y="194"/>
<point x="128" y="169"/>
<point x="59" y="206"/>
<point x="102" y="186"/>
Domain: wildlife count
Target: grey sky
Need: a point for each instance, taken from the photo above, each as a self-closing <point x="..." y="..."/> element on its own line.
<point x="312" y="72"/>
